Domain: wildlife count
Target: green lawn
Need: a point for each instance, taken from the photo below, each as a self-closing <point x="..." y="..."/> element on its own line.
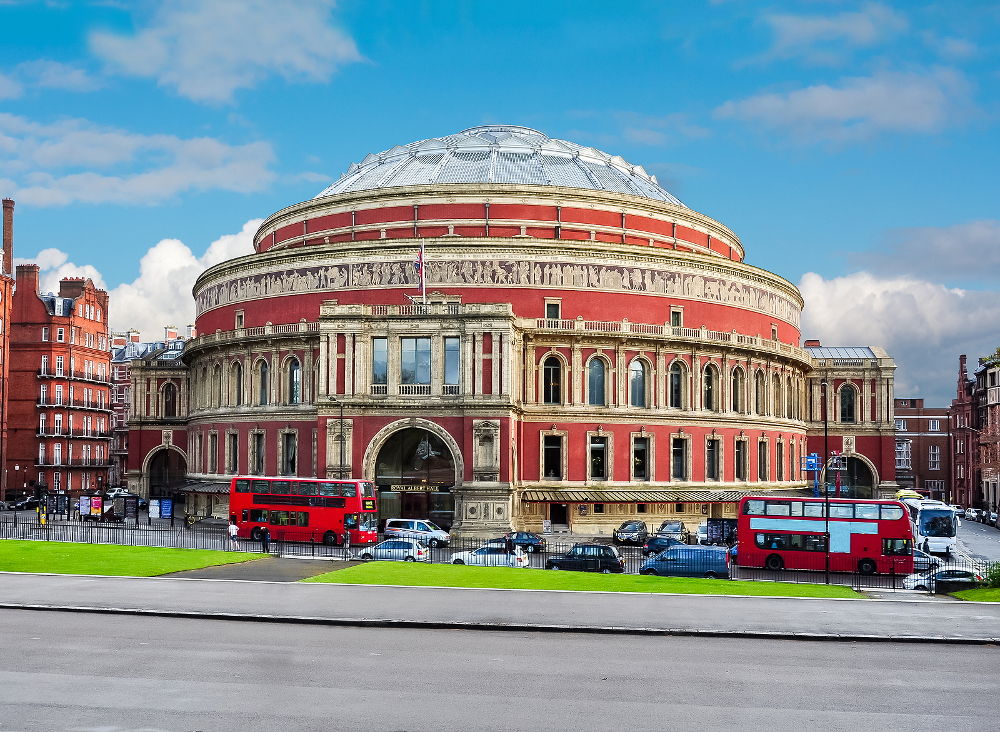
<point x="983" y="594"/>
<point x="108" y="559"/>
<point x="449" y="575"/>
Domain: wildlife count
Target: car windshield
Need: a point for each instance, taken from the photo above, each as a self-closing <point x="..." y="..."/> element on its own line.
<point x="671" y="526"/>
<point x="433" y="526"/>
<point x="937" y="522"/>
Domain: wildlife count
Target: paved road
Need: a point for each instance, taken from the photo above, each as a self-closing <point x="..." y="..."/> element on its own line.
<point x="979" y="541"/>
<point x="182" y="675"/>
<point x="684" y="613"/>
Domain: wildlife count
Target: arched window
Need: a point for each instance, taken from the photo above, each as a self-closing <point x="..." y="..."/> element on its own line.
<point x="216" y="386"/>
<point x="709" y="388"/>
<point x="789" y="399"/>
<point x="776" y="394"/>
<point x="263" y="383"/>
<point x="294" y="385"/>
<point x="676" y="385"/>
<point x="637" y="383"/>
<point x="760" y="393"/>
<point x="169" y="400"/>
<point x="596" y="380"/>
<point x="848" y="402"/>
<point x="236" y="379"/>
<point x="737" y="391"/>
<point x="552" y="381"/>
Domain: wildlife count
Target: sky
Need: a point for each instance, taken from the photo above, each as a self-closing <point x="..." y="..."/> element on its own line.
<point x="852" y="146"/>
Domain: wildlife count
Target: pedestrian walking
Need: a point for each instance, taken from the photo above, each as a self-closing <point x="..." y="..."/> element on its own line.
<point x="233" y="530"/>
<point x="347" y="544"/>
<point x="265" y="540"/>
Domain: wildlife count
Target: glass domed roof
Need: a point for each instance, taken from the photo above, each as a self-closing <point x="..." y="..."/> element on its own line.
<point x="499" y="154"/>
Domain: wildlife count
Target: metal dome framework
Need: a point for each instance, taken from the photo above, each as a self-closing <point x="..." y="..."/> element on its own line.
<point x="499" y="154"/>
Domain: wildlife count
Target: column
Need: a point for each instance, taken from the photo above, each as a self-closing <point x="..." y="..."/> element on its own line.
<point x="495" y="361"/>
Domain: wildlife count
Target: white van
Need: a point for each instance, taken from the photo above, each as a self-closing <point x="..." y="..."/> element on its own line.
<point x="427" y="531"/>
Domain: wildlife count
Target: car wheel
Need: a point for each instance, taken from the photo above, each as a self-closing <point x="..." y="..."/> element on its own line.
<point x="866" y="566"/>
<point x="650" y="572"/>
<point x="255" y="533"/>
<point x="458" y="561"/>
<point x="554" y="566"/>
<point x="774" y="563"/>
<point x="530" y="548"/>
<point x="330" y="538"/>
<point x="922" y="588"/>
<point x="711" y="575"/>
<point x="605" y="571"/>
<point x="434" y="543"/>
<point x="366" y="557"/>
<point x="409" y="559"/>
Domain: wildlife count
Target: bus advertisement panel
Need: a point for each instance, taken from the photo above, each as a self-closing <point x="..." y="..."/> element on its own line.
<point x="865" y="536"/>
<point x="304" y="509"/>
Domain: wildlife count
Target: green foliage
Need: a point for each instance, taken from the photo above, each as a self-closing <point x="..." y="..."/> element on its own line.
<point x="450" y="575"/>
<point x="992" y="576"/>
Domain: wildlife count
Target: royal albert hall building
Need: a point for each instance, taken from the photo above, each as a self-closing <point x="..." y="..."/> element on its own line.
<point x="589" y="349"/>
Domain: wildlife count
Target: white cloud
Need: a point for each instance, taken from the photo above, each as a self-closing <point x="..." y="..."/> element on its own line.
<point x="923" y="325"/>
<point x="967" y="252"/>
<point x="10" y="88"/>
<point x="825" y="38"/>
<point x="45" y="74"/>
<point x="861" y="107"/>
<point x="206" y="50"/>
<point x="57" y="164"/>
<point x="161" y="294"/>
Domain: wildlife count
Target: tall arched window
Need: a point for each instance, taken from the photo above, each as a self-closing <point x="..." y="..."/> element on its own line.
<point x="552" y="381"/>
<point x="294" y="385"/>
<point x="709" y="388"/>
<point x="236" y="379"/>
<point x="737" y="390"/>
<point x="676" y="385"/>
<point x="789" y="399"/>
<point x="216" y="386"/>
<point x="760" y="393"/>
<point x="169" y="400"/>
<point x="596" y="380"/>
<point x="776" y="394"/>
<point x="848" y="403"/>
<point x="263" y="383"/>
<point x="637" y="383"/>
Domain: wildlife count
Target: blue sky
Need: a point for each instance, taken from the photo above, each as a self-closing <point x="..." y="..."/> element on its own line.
<point x="851" y="145"/>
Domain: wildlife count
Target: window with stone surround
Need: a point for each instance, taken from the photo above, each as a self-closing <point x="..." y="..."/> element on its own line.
<point x="641" y="458"/>
<point x="552" y="457"/>
<point x="599" y="457"/>
<point x="597" y="373"/>
<point x="552" y="378"/>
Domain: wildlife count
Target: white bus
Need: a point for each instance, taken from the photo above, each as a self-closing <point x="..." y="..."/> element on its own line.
<point x="935" y="525"/>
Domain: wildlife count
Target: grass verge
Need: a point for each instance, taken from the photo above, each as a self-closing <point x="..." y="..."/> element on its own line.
<point x="108" y="559"/>
<point x="449" y="575"/>
<point x="983" y="594"/>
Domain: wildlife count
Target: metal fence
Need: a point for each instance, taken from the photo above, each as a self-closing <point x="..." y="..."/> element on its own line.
<point x="557" y="553"/>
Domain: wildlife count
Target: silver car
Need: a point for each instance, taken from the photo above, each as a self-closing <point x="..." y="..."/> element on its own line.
<point x="398" y="550"/>
<point x="492" y="555"/>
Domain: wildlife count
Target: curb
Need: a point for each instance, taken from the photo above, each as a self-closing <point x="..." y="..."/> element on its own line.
<point x="515" y="627"/>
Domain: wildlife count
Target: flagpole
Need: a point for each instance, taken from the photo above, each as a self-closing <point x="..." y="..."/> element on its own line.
<point x="423" y="273"/>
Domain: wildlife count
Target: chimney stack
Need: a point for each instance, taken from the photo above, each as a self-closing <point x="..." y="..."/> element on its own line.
<point x="8" y="236"/>
<point x="170" y="333"/>
<point x="133" y="336"/>
<point x="191" y="332"/>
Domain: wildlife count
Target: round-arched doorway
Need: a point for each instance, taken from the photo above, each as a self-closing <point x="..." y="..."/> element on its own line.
<point x="167" y="469"/>
<point x="856" y="480"/>
<point x="415" y="474"/>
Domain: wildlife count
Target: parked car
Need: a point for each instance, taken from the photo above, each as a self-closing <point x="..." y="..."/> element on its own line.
<point x="422" y="529"/>
<point x="924" y="562"/>
<point x="27" y="504"/>
<point x="703" y="532"/>
<point x="631" y="532"/>
<point x="689" y="561"/>
<point x="957" y="509"/>
<point x="943" y="581"/>
<point x="398" y="550"/>
<point x="492" y="555"/>
<point x="122" y="493"/>
<point x="971" y="514"/>
<point x="674" y="529"/>
<point x="991" y="518"/>
<point x="526" y="540"/>
<point x="588" y="558"/>
<point x="657" y="544"/>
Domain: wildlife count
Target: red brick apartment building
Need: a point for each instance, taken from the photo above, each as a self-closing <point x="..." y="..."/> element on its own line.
<point x="59" y="409"/>
<point x="923" y="450"/>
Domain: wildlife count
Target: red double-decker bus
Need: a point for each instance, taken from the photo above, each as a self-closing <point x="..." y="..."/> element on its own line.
<point x="304" y="509"/>
<point x="791" y="533"/>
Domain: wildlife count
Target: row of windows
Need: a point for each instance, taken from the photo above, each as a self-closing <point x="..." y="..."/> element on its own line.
<point x="933" y="425"/>
<point x="90" y="340"/>
<point x="87" y="454"/>
<point x="95" y="398"/>
<point x="599" y="466"/>
<point x="817" y="509"/>
<point x="904" y="456"/>
<point x="60" y="368"/>
<point x="782" y="401"/>
<point x="297" y="487"/>
<point x="82" y="481"/>
<point x="87" y="423"/>
<point x="228" y="389"/>
<point x="415" y="360"/>
<point x="203" y="461"/>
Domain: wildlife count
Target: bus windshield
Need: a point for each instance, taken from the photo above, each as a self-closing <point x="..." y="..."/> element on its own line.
<point x="937" y="522"/>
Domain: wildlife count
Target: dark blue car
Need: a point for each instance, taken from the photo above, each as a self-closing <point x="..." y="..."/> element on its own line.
<point x="688" y="561"/>
<point x="657" y="544"/>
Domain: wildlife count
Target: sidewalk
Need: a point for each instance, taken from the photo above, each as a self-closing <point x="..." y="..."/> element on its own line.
<point x="520" y="610"/>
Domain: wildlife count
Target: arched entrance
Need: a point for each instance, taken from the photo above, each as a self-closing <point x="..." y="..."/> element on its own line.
<point x="856" y="481"/>
<point x="415" y="473"/>
<point x="166" y="470"/>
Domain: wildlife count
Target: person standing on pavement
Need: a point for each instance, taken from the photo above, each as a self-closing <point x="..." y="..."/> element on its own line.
<point x="233" y="530"/>
<point x="265" y="540"/>
<point x="347" y="544"/>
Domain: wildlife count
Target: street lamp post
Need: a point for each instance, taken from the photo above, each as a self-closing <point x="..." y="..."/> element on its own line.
<point x="825" y="386"/>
